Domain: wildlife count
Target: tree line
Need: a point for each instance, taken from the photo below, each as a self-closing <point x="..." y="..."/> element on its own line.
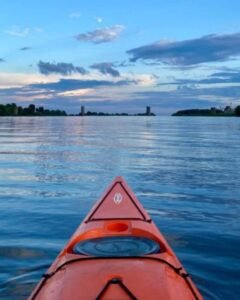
<point x="213" y="112"/>
<point x="14" y="110"/>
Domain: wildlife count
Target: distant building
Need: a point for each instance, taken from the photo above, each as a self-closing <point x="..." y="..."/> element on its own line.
<point x="148" y="110"/>
<point x="82" y="113"/>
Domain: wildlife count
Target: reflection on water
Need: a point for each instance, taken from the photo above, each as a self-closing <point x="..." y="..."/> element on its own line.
<point x="185" y="171"/>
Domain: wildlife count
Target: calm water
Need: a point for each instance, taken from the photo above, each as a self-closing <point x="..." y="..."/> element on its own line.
<point x="185" y="171"/>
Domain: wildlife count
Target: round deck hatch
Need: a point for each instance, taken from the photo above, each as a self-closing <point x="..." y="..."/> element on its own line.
<point x="119" y="246"/>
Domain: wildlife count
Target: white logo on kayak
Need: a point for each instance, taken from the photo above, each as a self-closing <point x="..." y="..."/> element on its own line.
<point x="117" y="198"/>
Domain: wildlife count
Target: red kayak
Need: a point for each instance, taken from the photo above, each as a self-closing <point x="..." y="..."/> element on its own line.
<point x="117" y="253"/>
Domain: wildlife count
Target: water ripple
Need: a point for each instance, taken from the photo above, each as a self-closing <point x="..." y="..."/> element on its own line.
<point x="185" y="171"/>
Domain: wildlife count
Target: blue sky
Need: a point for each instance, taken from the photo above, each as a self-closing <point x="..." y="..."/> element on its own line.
<point x="120" y="55"/>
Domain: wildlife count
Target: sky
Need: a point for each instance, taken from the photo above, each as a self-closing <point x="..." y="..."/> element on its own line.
<point x="120" y="55"/>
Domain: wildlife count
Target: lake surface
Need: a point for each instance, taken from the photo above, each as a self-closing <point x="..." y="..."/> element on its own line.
<point x="185" y="171"/>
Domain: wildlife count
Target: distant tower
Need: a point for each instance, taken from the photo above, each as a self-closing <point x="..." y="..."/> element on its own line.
<point x="82" y="111"/>
<point x="148" y="110"/>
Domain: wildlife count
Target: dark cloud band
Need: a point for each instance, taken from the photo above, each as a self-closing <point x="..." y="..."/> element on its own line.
<point x="62" y="68"/>
<point x="75" y="84"/>
<point x="106" y="68"/>
<point x="226" y="77"/>
<point x="211" y="48"/>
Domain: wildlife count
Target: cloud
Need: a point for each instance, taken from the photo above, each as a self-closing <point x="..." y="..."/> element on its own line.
<point x="106" y="68"/>
<point x="225" y="77"/>
<point x="11" y="80"/>
<point x="19" y="32"/>
<point x="211" y="48"/>
<point x="76" y="93"/>
<point x="62" y="68"/>
<point x="123" y="64"/>
<point x="99" y="36"/>
<point x="22" y="32"/>
<point x="118" y="95"/>
<point x="25" y="48"/>
<point x="69" y="89"/>
<point x="76" y="84"/>
<point x="144" y="80"/>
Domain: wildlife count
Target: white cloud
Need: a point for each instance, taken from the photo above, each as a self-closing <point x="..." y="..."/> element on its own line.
<point x="14" y="80"/>
<point x="22" y="32"/>
<point x="17" y="31"/>
<point x="75" y="93"/>
<point x="103" y="35"/>
<point x="145" y="80"/>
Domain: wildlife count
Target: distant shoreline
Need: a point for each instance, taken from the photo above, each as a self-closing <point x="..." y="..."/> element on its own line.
<point x="71" y="115"/>
<point x="212" y="112"/>
<point x="12" y="110"/>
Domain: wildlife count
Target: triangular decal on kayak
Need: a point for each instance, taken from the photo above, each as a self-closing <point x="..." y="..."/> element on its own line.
<point x="118" y="202"/>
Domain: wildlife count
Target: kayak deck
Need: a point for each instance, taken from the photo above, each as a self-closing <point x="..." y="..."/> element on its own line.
<point x="117" y="253"/>
<point x="145" y="279"/>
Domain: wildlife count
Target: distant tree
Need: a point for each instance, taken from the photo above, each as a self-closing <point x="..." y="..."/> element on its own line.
<point x="25" y="111"/>
<point x="10" y="109"/>
<point x="31" y="109"/>
<point x="41" y="109"/>
<point x="20" y="110"/>
<point x="237" y="111"/>
<point x="47" y="112"/>
<point x="2" y="110"/>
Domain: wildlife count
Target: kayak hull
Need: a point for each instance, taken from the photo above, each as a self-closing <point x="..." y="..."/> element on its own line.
<point x="117" y="215"/>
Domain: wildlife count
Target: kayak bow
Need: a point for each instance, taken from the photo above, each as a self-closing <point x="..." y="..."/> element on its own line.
<point x="117" y="253"/>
